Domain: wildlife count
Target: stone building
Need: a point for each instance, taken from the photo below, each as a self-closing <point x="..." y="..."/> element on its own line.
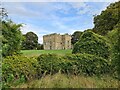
<point x="56" y="41"/>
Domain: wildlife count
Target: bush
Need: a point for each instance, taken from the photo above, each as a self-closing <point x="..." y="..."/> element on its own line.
<point x="114" y="37"/>
<point x="92" y="43"/>
<point x="89" y="64"/>
<point x="48" y="63"/>
<point x="18" y="69"/>
<point x="73" y="64"/>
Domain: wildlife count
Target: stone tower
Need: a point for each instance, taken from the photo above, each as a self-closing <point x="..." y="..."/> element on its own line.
<point x="56" y="41"/>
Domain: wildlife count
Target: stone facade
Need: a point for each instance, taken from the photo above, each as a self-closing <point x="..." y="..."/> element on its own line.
<point x="56" y="41"/>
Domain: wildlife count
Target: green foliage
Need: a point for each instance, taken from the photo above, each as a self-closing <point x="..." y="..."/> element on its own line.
<point x="75" y="36"/>
<point x="114" y="37"/>
<point x="48" y="63"/>
<point x="89" y="64"/>
<point x="40" y="47"/>
<point x="30" y="41"/>
<point x="107" y="19"/>
<point x="11" y="38"/>
<point x="18" y="69"/>
<point x="92" y="43"/>
<point x="71" y="81"/>
<point x="73" y="64"/>
<point x="31" y="53"/>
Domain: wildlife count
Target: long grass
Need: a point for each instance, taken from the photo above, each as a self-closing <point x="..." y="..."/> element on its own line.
<point x="64" y="81"/>
<point x="38" y="52"/>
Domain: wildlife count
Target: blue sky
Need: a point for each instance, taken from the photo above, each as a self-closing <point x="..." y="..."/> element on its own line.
<point x="54" y="17"/>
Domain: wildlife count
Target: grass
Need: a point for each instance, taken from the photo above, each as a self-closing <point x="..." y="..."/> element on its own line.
<point x="38" y="52"/>
<point x="64" y="81"/>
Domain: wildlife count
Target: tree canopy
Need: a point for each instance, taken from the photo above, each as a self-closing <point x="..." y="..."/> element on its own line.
<point x="11" y="38"/>
<point x="30" y="41"/>
<point x="108" y="19"/>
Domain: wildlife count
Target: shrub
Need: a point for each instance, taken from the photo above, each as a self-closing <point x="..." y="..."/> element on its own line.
<point x="89" y="64"/>
<point x="92" y="43"/>
<point x="114" y="37"/>
<point x="73" y="64"/>
<point x="18" y="68"/>
<point x="48" y="63"/>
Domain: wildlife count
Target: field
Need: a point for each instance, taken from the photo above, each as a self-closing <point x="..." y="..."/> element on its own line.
<point x="31" y="53"/>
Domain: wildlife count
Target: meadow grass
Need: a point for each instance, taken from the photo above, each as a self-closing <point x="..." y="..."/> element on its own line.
<point x="71" y="81"/>
<point x="31" y="53"/>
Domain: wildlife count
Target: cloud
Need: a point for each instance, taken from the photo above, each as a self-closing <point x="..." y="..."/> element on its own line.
<point x="37" y="30"/>
<point x="78" y="5"/>
<point x="17" y="8"/>
<point x="53" y="17"/>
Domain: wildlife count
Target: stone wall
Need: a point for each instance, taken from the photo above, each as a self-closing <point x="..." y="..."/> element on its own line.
<point x="56" y="41"/>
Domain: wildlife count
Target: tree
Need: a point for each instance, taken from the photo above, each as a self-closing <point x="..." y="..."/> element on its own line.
<point x="108" y="18"/>
<point x="40" y="46"/>
<point x="75" y="36"/>
<point x="30" y="41"/>
<point x="12" y="37"/>
<point x="92" y="43"/>
<point x="3" y="12"/>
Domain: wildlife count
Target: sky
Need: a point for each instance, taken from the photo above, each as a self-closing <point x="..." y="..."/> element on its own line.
<point x="54" y="17"/>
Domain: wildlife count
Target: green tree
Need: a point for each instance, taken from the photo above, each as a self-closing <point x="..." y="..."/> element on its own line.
<point x="40" y="46"/>
<point x="11" y="38"/>
<point x="30" y="41"/>
<point x="108" y="18"/>
<point x="75" y="36"/>
<point x="3" y="12"/>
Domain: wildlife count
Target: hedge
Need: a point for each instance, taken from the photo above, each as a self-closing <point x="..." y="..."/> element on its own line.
<point x="74" y="63"/>
<point x="21" y="68"/>
<point x="92" y="43"/>
<point x="17" y="68"/>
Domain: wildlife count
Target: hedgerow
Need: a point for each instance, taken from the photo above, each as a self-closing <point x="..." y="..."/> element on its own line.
<point x="74" y="63"/>
<point x="18" y="69"/>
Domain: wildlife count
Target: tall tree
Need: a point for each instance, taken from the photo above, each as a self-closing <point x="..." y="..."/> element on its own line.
<point x="31" y="41"/>
<point x="12" y="38"/>
<point x="11" y="35"/>
<point x="108" y="18"/>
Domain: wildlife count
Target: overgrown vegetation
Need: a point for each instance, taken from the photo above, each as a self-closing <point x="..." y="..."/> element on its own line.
<point x="114" y="37"/>
<point x="71" y="81"/>
<point x="19" y="69"/>
<point x="11" y="38"/>
<point x="92" y="43"/>
<point x="73" y="64"/>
